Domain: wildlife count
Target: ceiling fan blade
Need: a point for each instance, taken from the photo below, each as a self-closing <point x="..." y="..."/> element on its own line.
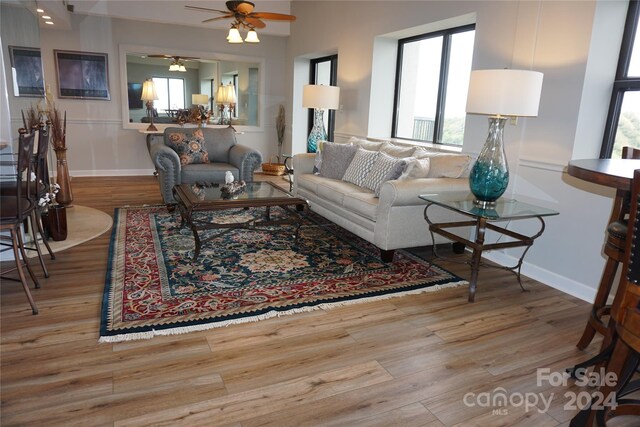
<point x="243" y="7"/>
<point x="254" y="22"/>
<point x="273" y="16"/>
<point x="217" y="18"/>
<point x="204" y="9"/>
<point x="160" y="56"/>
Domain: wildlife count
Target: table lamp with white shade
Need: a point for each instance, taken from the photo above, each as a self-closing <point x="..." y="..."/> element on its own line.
<point x="149" y="95"/>
<point x="320" y="98"/>
<point x="499" y="94"/>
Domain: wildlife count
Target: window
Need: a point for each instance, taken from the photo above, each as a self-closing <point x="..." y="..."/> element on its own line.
<point x="432" y="80"/>
<point x="623" y="120"/>
<point x="324" y="71"/>
<point x="170" y="94"/>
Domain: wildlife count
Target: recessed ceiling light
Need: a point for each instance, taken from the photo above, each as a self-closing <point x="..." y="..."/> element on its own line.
<point x="46" y="17"/>
<point x="40" y="10"/>
<point x="48" y="22"/>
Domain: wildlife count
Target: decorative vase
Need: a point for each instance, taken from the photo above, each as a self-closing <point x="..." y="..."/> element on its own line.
<point x="65" y="195"/>
<point x="318" y="133"/>
<point x="489" y="176"/>
<point x="55" y="222"/>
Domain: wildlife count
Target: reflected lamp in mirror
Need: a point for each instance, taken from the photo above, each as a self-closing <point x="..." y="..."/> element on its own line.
<point x="320" y="98"/>
<point x="200" y="99"/>
<point x="226" y="99"/>
<point x="149" y="95"/>
<point x="498" y="94"/>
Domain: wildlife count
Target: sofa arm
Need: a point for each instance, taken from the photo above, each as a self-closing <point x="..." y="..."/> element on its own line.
<point x="303" y="163"/>
<point x="405" y="192"/>
<point x="167" y="165"/>
<point x="246" y="159"/>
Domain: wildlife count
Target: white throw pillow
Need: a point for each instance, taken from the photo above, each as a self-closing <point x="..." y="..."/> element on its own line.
<point x="365" y="143"/>
<point x="416" y="168"/>
<point x="446" y="165"/>
<point x="360" y="166"/>
<point x="397" y="150"/>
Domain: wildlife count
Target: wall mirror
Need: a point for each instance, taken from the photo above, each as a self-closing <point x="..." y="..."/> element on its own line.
<point x="178" y="76"/>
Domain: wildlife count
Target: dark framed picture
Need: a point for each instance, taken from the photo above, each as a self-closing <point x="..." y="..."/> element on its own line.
<point x="135" y="94"/>
<point x="26" y="67"/>
<point x="82" y="75"/>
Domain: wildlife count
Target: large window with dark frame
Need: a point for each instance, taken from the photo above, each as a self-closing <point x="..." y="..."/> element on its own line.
<point x="170" y="94"/>
<point x="324" y="71"/>
<point x="623" y="119"/>
<point x="432" y="79"/>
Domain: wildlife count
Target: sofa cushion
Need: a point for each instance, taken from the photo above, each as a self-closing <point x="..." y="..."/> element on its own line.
<point x="189" y="147"/>
<point x="384" y="169"/>
<point x="206" y="173"/>
<point x="308" y="182"/>
<point x="362" y="203"/>
<point x="218" y="142"/>
<point x="416" y="168"/>
<point x="397" y="150"/>
<point x="446" y="165"/>
<point x="335" y="190"/>
<point x="360" y="166"/>
<point x="336" y="159"/>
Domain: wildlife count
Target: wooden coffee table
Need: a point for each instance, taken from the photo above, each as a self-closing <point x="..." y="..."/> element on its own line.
<point x="193" y="198"/>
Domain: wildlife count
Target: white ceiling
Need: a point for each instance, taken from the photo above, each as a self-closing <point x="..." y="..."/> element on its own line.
<point x="164" y="11"/>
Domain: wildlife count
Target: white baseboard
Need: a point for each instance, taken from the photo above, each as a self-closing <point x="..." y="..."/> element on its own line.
<point x="561" y="283"/>
<point x="111" y="172"/>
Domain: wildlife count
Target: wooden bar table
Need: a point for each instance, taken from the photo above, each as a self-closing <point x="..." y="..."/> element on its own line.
<point x="618" y="174"/>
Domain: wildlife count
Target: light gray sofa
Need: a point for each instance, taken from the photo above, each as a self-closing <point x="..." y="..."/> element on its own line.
<point x="395" y="220"/>
<point x="225" y="154"/>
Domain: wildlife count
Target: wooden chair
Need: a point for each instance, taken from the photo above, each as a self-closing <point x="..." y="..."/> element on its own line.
<point x="37" y="189"/>
<point x="16" y="208"/>
<point x="614" y="250"/>
<point x="625" y="312"/>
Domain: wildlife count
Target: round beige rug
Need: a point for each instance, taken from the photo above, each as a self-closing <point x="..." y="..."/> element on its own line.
<point x="83" y="224"/>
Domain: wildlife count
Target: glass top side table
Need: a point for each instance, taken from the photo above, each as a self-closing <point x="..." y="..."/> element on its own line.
<point x="483" y="219"/>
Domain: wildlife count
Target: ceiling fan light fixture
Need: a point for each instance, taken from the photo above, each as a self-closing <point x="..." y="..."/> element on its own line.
<point x="234" y="35"/>
<point x="252" y="37"/>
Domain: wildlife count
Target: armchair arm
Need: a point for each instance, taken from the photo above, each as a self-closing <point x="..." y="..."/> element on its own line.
<point x="246" y="159"/>
<point x="167" y="164"/>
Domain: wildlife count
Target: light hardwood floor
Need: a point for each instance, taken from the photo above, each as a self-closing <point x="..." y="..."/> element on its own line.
<point x="403" y="361"/>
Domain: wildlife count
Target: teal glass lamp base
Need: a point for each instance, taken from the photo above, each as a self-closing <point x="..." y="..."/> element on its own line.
<point x="489" y="176"/>
<point x="318" y="133"/>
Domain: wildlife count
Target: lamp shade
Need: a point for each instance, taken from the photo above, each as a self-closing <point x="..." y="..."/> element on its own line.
<point x="149" y="91"/>
<point x="231" y="94"/>
<point x="504" y="92"/>
<point x="199" y="99"/>
<point x="234" y="36"/>
<point x="320" y="96"/>
<point x="252" y="37"/>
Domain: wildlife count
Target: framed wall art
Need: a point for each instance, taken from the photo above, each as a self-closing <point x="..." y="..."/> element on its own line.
<point x="26" y="68"/>
<point x="82" y="75"/>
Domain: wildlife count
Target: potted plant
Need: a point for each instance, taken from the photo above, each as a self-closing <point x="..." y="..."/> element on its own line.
<point x="54" y="215"/>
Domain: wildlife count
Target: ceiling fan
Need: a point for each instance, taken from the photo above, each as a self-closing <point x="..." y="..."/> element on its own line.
<point x="177" y="62"/>
<point x="243" y="15"/>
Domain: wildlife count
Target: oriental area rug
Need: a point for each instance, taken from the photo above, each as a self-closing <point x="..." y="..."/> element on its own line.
<point x="154" y="288"/>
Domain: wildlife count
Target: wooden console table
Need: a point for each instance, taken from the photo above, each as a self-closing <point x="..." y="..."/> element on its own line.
<point x="482" y="219"/>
